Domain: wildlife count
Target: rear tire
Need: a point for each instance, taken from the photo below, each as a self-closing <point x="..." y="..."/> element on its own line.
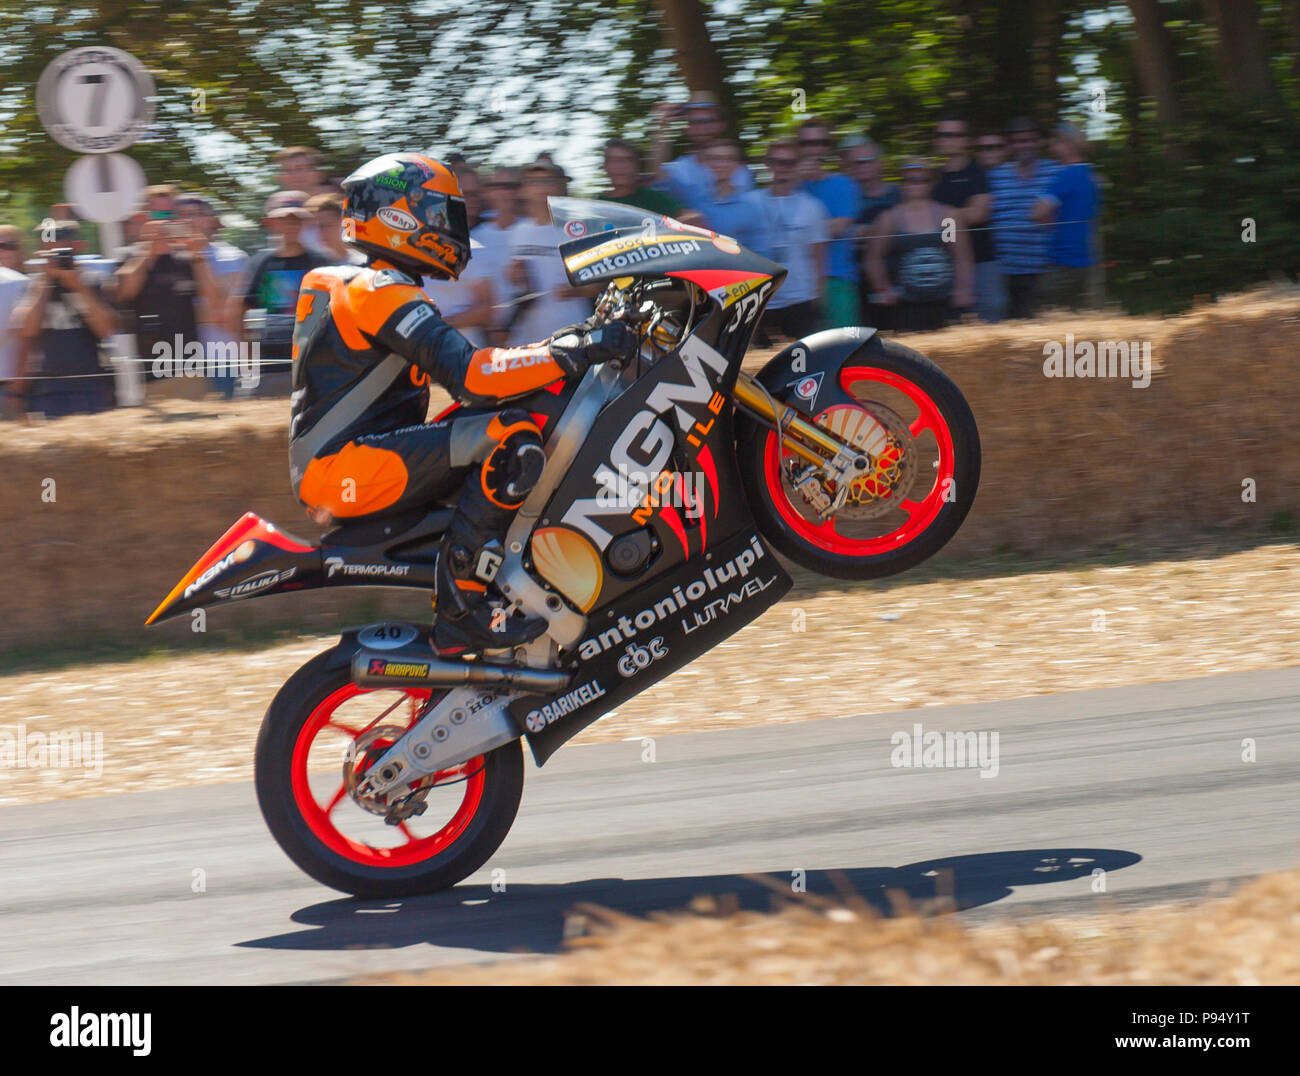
<point x="490" y="800"/>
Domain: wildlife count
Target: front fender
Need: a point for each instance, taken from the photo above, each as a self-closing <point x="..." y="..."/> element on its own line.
<point x="806" y="374"/>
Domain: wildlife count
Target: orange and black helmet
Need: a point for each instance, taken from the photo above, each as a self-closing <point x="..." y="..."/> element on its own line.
<point x="409" y="211"/>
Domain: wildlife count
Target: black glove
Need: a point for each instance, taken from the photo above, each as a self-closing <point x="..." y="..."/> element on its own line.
<point x="575" y="351"/>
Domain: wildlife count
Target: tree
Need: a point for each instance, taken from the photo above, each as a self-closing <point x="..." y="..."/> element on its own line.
<point x="1156" y="60"/>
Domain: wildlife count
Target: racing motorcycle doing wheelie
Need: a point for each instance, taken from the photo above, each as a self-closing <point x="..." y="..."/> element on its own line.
<point x="383" y="769"/>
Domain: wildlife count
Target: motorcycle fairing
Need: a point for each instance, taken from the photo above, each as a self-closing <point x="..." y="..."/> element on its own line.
<point x="655" y="630"/>
<point x="255" y="558"/>
<point x="659" y="457"/>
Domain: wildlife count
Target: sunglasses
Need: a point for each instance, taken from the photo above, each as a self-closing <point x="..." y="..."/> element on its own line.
<point x="9" y="246"/>
<point x="950" y="134"/>
<point x="916" y="179"/>
<point x="992" y="145"/>
<point x="864" y="160"/>
<point x="784" y="161"/>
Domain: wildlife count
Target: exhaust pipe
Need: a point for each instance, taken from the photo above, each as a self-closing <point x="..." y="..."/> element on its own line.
<point x="386" y="668"/>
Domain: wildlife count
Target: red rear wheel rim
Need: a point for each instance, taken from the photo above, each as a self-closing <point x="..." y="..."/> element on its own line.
<point x="318" y="816"/>
<point x="921" y="512"/>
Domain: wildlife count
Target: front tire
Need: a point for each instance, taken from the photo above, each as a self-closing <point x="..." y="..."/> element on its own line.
<point x="301" y="790"/>
<point x="924" y="483"/>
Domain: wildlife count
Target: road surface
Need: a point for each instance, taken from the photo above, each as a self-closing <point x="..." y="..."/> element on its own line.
<point x="1146" y="784"/>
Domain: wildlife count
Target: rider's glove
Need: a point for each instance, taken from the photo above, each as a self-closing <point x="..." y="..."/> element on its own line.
<point x="574" y="351"/>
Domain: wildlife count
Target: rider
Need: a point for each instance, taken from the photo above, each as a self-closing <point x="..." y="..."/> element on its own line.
<point x="366" y="343"/>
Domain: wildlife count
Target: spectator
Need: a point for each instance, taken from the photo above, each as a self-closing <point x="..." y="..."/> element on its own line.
<point x="265" y="310"/>
<point x="468" y="304"/>
<point x="729" y="211"/>
<point x="623" y="170"/>
<point x="862" y="161"/>
<point x="13" y="285"/>
<point x="502" y="197"/>
<point x="1020" y="241"/>
<point x="327" y="217"/>
<point x="1071" y="200"/>
<point x="162" y="278"/>
<point x="686" y="178"/>
<point x="912" y="263"/>
<point x="11" y="248"/>
<point x="547" y="301"/>
<point x="298" y="168"/>
<point x="964" y="186"/>
<point x="228" y="266"/>
<point x="843" y="202"/>
<point x="795" y="227"/>
<point x="471" y="189"/>
<point x="61" y="319"/>
<point x="991" y="151"/>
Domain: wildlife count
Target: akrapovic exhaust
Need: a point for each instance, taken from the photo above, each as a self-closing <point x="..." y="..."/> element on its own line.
<point x="377" y="668"/>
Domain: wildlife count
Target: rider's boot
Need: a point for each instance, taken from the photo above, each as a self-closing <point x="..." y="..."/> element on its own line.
<point x="470" y="614"/>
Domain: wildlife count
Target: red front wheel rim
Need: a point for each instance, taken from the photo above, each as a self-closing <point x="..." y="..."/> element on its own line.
<point x="322" y="813"/>
<point x="920" y="511"/>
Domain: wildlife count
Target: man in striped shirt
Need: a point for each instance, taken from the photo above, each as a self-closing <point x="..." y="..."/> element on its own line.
<point x="1021" y="242"/>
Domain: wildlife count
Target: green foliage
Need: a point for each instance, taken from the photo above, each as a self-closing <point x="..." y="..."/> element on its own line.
<point x="356" y="78"/>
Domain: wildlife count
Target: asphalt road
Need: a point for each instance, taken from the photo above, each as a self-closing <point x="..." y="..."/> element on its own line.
<point x="1146" y="784"/>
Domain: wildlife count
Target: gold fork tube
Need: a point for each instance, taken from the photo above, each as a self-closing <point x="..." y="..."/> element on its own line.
<point x="801" y="436"/>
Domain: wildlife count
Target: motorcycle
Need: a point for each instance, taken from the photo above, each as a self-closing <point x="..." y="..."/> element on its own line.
<point x="672" y="479"/>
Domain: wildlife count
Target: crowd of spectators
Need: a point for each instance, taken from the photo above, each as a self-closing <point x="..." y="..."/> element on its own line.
<point x="986" y="228"/>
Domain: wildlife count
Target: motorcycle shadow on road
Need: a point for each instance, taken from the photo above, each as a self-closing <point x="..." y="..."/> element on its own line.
<point x="530" y="918"/>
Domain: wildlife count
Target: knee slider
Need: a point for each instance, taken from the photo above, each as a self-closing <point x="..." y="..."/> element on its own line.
<point x="515" y="464"/>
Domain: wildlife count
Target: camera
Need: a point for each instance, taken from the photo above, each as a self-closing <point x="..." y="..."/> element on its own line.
<point x="61" y="258"/>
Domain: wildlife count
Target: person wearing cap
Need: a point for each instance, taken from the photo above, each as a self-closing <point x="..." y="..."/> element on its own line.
<point x="1070" y="202"/>
<point x="843" y="201"/>
<point x="265" y="308"/>
<point x="918" y="259"/>
<point x="61" y="320"/>
<point x="164" y="277"/>
<point x="1021" y="242"/>
<point x="686" y="178"/>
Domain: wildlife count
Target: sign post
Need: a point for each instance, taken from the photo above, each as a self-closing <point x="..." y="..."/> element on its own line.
<point x="97" y="101"/>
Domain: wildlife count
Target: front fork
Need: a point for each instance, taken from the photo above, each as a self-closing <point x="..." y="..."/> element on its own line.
<point x="833" y="459"/>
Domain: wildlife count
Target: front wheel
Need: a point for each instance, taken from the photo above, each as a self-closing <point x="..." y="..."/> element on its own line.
<point x="913" y="422"/>
<point x="320" y="735"/>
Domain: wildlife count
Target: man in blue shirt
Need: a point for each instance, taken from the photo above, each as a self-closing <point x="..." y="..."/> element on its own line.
<point x="843" y="201"/>
<point x="687" y="179"/>
<point x="1020" y="240"/>
<point x="1071" y="200"/>
<point x="729" y="211"/>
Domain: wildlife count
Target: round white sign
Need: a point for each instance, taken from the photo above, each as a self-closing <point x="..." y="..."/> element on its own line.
<point x="104" y="188"/>
<point x="95" y="100"/>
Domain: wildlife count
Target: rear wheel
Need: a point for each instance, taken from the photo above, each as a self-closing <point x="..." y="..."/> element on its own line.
<point x="913" y="422"/>
<point x="321" y="733"/>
